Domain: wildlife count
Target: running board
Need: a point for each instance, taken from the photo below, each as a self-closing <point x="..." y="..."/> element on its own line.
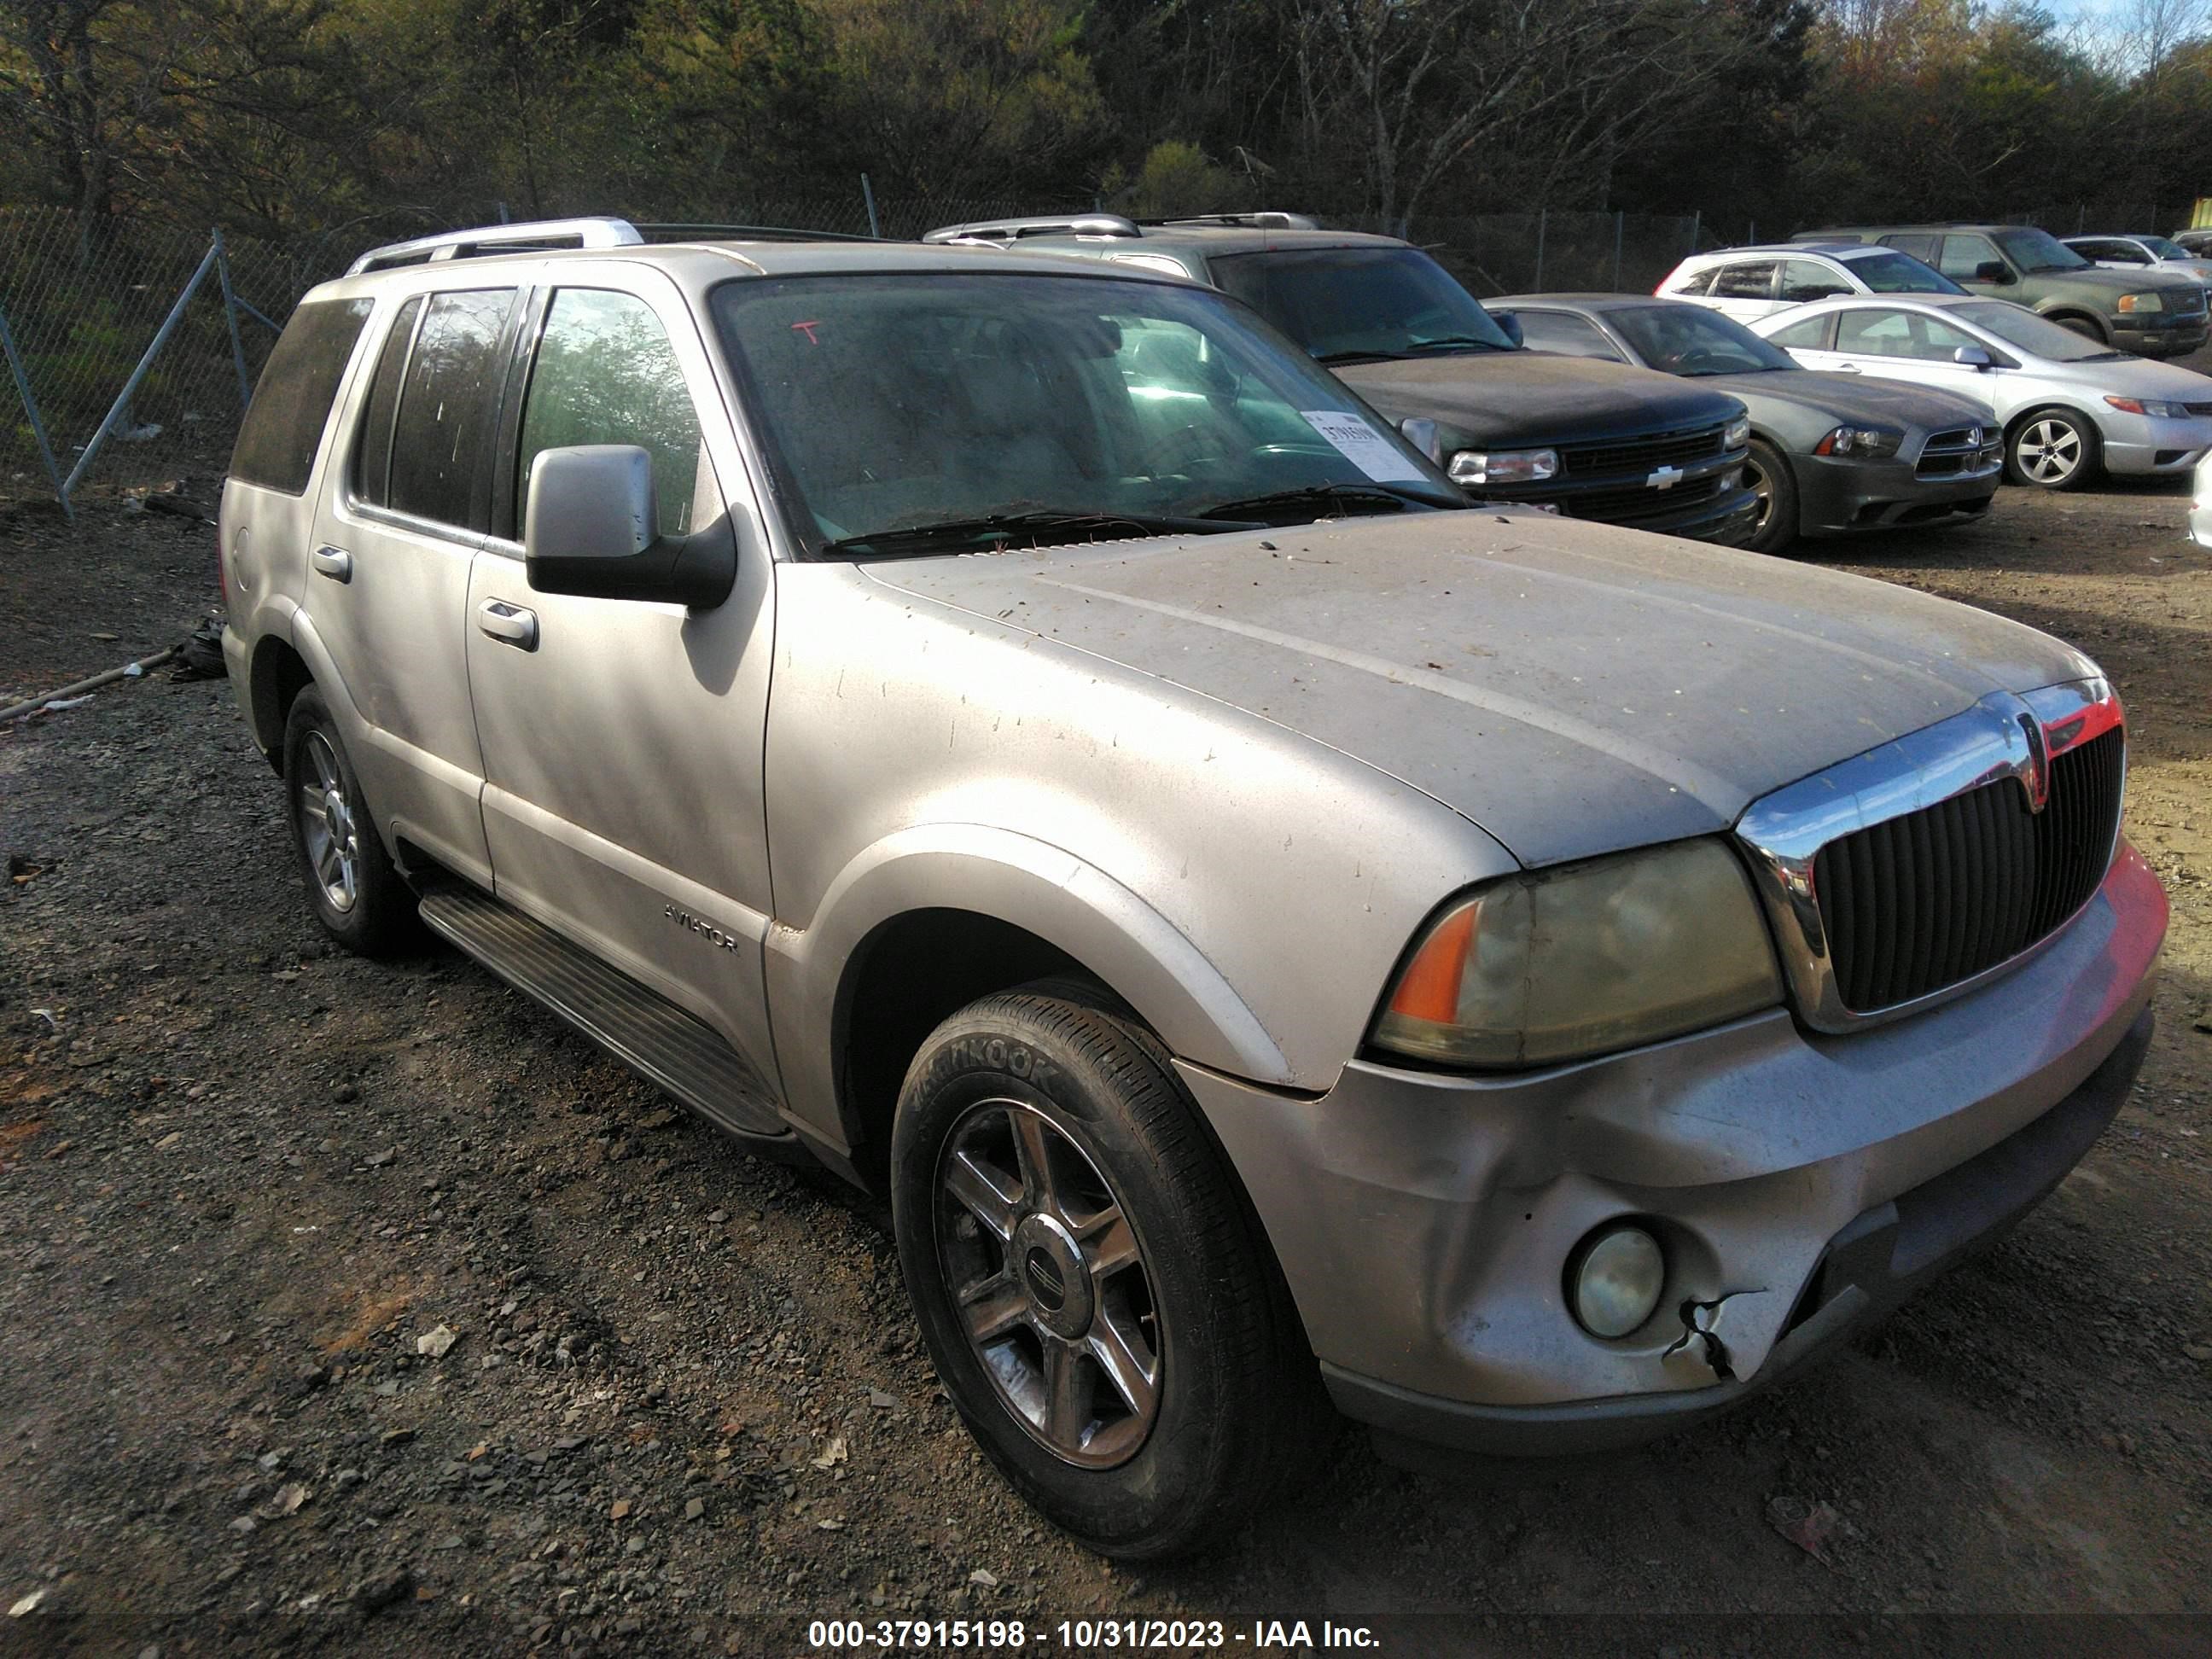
<point x="640" y="1027"/>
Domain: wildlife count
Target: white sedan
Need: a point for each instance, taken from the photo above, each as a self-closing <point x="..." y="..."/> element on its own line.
<point x="2071" y="408"/>
<point x="2200" y="510"/>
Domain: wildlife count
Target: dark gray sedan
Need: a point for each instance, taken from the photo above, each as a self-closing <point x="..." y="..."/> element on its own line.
<point x="1829" y="455"/>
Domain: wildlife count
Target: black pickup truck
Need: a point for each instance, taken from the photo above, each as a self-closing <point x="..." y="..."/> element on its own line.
<point x="1596" y="441"/>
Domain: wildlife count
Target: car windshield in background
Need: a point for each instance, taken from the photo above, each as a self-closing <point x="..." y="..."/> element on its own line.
<point x="2037" y="336"/>
<point x="1900" y="273"/>
<point x="1690" y="340"/>
<point x="2039" y="250"/>
<point x="1347" y="304"/>
<point x="957" y="413"/>
<point x="2164" y="249"/>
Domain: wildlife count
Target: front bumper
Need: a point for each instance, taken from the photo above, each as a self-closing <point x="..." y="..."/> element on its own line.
<point x="1423" y="1221"/>
<point x="2137" y="445"/>
<point x="2172" y="337"/>
<point x="1838" y="495"/>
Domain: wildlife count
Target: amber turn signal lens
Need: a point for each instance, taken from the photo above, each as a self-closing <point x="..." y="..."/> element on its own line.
<point x="1428" y="988"/>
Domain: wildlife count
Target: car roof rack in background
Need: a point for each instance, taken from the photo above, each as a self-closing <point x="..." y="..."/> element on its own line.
<point x="537" y="236"/>
<point x="1268" y="220"/>
<point x="1050" y="224"/>
<point x="746" y="233"/>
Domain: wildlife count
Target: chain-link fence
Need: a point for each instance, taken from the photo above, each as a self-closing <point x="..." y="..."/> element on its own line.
<point x="1554" y="252"/>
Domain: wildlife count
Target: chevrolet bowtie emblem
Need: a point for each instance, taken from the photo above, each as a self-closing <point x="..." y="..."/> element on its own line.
<point x="1665" y="478"/>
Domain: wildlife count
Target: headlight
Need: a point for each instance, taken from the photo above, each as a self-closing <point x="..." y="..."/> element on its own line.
<point x="2164" y="411"/>
<point x="1867" y="442"/>
<point x="1738" y="433"/>
<point x="2142" y="302"/>
<point x="1475" y="467"/>
<point x="1557" y="964"/>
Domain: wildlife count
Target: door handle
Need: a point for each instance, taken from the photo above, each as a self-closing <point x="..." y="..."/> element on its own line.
<point x="332" y="561"/>
<point x="1847" y="369"/>
<point x="510" y="623"/>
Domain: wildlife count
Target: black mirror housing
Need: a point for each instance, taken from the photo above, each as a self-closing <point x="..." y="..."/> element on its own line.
<point x="1993" y="270"/>
<point x="589" y="529"/>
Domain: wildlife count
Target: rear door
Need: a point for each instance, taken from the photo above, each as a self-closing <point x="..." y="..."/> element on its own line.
<point x="1744" y="289"/>
<point x="402" y="514"/>
<point x="623" y="739"/>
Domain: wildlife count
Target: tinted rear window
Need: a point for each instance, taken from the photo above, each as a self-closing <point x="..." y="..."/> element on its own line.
<point x="371" y="466"/>
<point x="283" y="425"/>
<point x="441" y="440"/>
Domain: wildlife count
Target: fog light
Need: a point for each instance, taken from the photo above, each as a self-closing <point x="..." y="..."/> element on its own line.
<point x="1616" y="1279"/>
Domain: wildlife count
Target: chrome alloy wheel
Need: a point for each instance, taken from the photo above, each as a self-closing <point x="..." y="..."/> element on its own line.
<point x="1047" y="1278"/>
<point x="328" y="824"/>
<point x="1762" y="492"/>
<point x="2050" y="450"/>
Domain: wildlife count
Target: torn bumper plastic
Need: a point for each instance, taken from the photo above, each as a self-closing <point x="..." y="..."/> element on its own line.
<point x="1800" y="1185"/>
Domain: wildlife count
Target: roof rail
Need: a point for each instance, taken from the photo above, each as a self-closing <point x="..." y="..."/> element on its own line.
<point x="537" y="237"/>
<point x="1050" y="224"/>
<point x="1267" y="219"/>
<point x="746" y="233"/>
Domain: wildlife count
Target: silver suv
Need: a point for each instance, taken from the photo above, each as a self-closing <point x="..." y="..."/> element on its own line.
<point x="1018" y="732"/>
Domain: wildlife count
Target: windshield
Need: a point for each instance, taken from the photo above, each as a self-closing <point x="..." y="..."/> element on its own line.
<point x="2164" y="249"/>
<point x="1346" y="303"/>
<point x="2037" y="336"/>
<point x="988" y="409"/>
<point x="1686" y="339"/>
<point x="1891" y="272"/>
<point x="2039" y="250"/>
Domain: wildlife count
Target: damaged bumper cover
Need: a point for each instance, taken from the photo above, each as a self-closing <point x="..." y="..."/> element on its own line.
<point x="1800" y="1185"/>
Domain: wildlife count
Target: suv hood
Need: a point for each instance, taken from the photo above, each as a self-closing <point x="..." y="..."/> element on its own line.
<point x="2097" y="283"/>
<point x="1527" y="397"/>
<point x="1574" y="688"/>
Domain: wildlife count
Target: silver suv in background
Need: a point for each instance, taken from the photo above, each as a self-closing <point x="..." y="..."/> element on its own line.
<point x="1017" y="732"/>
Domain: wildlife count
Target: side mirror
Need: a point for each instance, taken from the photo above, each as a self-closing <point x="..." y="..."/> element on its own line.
<point x="1972" y="356"/>
<point x="588" y="529"/>
<point x="1993" y="270"/>
<point x="1510" y="325"/>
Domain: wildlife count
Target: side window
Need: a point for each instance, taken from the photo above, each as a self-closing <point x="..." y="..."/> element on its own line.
<point x="1934" y="341"/>
<point x="1963" y="254"/>
<point x="1806" y="280"/>
<point x="1746" y="279"/>
<point x="372" y="456"/>
<point x="1576" y="337"/>
<point x="446" y="402"/>
<point x="1159" y="262"/>
<point x="1875" y="333"/>
<point x="1922" y="248"/>
<point x="1810" y="335"/>
<point x="1700" y="281"/>
<point x="283" y="425"/>
<point x="2126" y="252"/>
<point x="605" y="373"/>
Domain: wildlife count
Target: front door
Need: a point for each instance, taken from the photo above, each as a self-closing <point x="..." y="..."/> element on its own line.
<point x="623" y="739"/>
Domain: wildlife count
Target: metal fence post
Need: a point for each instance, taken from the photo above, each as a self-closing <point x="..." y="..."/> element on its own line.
<point x="1542" y="214"/>
<point x="1620" y="222"/>
<point x="31" y="410"/>
<point x="868" y="195"/>
<point x="1697" y="218"/>
<point x="122" y="400"/>
<point x="230" y="317"/>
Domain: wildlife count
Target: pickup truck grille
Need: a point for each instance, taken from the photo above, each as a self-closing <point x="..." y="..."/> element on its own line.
<point x="1634" y="502"/>
<point x="1918" y="902"/>
<point x="1641" y="454"/>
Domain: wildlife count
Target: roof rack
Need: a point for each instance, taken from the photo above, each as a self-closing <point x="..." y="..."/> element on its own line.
<point x="538" y="236"/>
<point x="1050" y="224"/>
<point x="746" y="233"/>
<point x="1267" y="219"/>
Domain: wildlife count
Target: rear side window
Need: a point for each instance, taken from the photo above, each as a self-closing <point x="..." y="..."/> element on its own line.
<point x="1920" y="247"/>
<point x="283" y="425"/>
<point x="1699" y="281"/>
<point x="1746" y="280"/>
<point x="372" y="465"/>
<point x="442" y="433"/>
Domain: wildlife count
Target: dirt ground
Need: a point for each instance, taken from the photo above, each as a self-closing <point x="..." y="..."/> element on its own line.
<point x="242" y="1177"/>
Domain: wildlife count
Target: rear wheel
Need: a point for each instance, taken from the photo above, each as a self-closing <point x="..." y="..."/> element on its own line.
<point x="1768" y="477"/>
<point x="1091" y="1283"/>
<point x="2052" y="449"/>
<point x="352" y="887"/>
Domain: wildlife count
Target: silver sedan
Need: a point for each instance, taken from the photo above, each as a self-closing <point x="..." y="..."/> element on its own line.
<point x="2071" y="408"/>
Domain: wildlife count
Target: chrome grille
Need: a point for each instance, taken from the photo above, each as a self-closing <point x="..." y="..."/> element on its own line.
<point x="1641" y="454"/>
<point x="1947" y="454"/>
<point x="1918" y="902"/>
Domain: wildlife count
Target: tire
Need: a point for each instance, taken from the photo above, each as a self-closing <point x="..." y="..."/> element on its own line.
<point x="352" y="887"/>
<point x="2087" y="327"/>
<point x="1769" y="478"/>
<point x="2052" y="449"/>
<point x="1220" y="1405"/>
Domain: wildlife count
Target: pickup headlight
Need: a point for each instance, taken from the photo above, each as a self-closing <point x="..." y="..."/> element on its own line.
<point x="1557" y="964"/>
<point x="2143" y="303"/>
<point x="1475" y="467"/>
<point x="1867" y="442"/>
<point x="1737" y="433"/>
<point x="2164" y="411"/>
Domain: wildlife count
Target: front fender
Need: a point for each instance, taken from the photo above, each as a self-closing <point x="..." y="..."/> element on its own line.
<point x="1025" y="883"/>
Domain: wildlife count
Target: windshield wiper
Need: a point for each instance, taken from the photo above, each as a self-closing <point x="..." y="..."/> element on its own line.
<point x="1330" y="359"/>
<point x="1095" y="523"/>
<point x="1344" y="497"/>
<point x="1456" y="342"/>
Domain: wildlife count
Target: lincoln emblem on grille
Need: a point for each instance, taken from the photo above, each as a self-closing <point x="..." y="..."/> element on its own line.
<point x="2035" y="776"/>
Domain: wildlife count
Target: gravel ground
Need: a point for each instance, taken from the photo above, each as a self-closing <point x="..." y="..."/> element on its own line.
<point x="361" y="1305"/>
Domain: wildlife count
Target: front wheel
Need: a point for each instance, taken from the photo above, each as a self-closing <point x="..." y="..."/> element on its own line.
<point x="2052" y="449"/>
<point x="1089" y="1281"/>
<point x="1767" y="476"/>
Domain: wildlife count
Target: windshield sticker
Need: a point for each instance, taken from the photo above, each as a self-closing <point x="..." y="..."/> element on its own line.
<point x="1363" y="446"/>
